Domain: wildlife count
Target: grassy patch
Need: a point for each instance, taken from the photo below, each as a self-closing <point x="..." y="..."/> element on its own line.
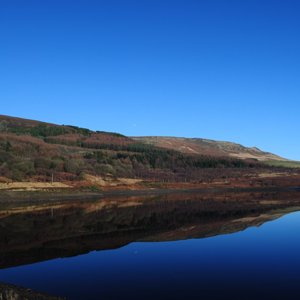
<point x="156" y="185"/>
<point x="285" y="164"/>
<point x="93" y="188"/>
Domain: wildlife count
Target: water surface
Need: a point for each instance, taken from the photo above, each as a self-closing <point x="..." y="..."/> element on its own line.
<point x="185" y="246"/>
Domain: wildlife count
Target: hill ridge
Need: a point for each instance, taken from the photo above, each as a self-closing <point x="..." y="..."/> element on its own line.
<point x="204" y="146"/>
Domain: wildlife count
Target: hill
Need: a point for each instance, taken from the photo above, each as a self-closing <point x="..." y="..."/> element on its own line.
<point x="39" y="151"/>
<point x="209" y="147"/>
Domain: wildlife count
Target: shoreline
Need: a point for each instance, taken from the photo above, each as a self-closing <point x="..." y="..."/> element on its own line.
<point x="11" y="291"/>
<point x="68" y="195"/>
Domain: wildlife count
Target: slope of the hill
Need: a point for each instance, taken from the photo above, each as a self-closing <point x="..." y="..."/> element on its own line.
<point x="208" y="147"/>
<point x="39" y="151"/>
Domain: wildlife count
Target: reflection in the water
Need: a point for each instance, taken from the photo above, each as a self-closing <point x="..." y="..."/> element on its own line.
<point x="41" y="231"/>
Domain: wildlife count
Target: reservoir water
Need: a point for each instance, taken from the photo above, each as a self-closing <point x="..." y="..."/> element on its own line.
<point x="178" y="246"/>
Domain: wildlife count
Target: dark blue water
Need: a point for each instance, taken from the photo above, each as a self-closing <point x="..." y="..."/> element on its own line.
<point x="257" y="263"/>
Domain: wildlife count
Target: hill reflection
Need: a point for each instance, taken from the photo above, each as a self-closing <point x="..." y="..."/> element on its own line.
<point x="35" y="232"/>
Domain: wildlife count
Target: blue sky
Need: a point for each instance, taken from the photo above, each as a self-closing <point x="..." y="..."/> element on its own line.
<point x="225" y="70"/>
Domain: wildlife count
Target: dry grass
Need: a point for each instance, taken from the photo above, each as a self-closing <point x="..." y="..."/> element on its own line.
<point x="273" y="175"/>
<point x="108" y="181"/>
<point x="31" y="186"/>
<point x="260" y="156"/>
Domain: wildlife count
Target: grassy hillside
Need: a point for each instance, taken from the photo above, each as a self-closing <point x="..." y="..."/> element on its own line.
<point x="208" y="147"/>
<point x="37" y="150"/>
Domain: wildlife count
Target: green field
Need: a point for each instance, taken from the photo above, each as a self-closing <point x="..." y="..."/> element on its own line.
<point x="286" y="164"/>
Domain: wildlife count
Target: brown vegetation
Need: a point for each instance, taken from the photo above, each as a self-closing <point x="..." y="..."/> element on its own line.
<point x="42" y="152"/>
<point x="208" y="147"/>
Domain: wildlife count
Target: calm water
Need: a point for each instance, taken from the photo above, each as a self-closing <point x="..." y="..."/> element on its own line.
<point x="183" y="247"/>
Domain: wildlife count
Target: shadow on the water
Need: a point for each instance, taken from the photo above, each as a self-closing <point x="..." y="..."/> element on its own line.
<point x="12" y="292"/>
<point x="39" y="232"/>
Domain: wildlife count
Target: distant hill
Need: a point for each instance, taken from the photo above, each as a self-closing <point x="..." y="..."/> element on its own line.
<point x="209" y="147"/>
<point x="40" y="151"/>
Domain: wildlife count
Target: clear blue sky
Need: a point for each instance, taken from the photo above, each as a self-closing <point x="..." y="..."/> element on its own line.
<point x="219" y="69"/>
